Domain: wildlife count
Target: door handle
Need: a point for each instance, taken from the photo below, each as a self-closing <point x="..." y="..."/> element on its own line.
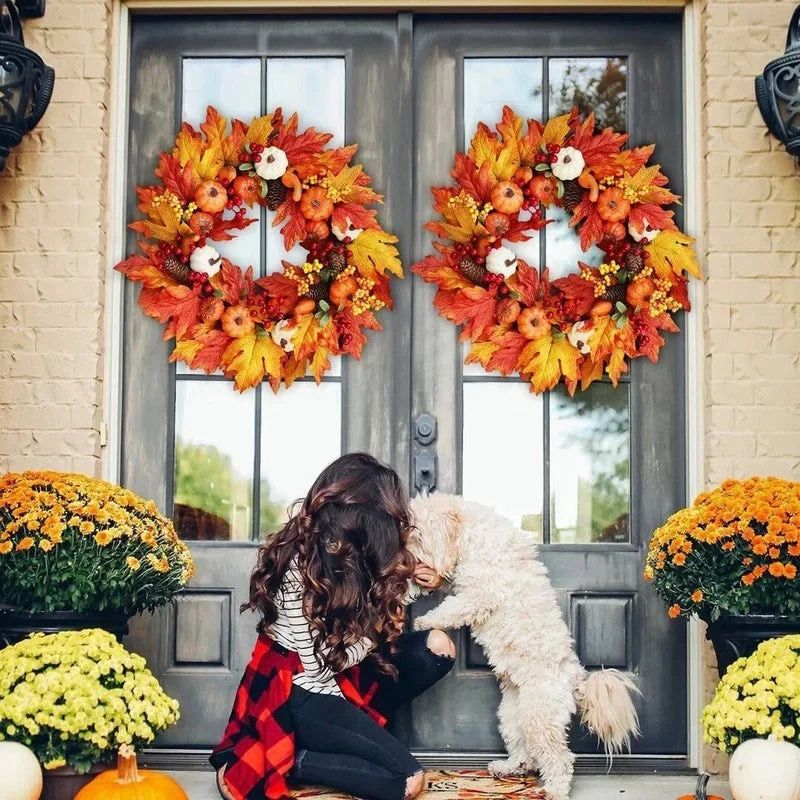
<point x="424" y="454"/>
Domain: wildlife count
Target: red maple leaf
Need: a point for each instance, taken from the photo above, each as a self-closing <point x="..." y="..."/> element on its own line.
<point x="576" y="288"/>
<point x="294" y="230"/>
<point x="473" y="307"/>
<point x="659" y="218"/>
<point x="648" y="340"/>
<point x="181" y="181"/>
<point x="589" y="223"/>
<point x="596" y="147"/>
<point x="680" y="291"/>
<point x="518" y="229"/>
<point x="478" y="182"/>
<point x="527" y="283"/>
<point x="219" y="233"/>
<point x="233" y="283"/>
<point x="281" y="289"/>
<point x="215" y="343"/>
<point x="359" y="216"/>
<point x="505" y="359"/>
<point x="177" y="305"/>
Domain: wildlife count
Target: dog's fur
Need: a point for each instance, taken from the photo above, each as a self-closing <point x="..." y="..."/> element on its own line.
<point x="498" y="587"/>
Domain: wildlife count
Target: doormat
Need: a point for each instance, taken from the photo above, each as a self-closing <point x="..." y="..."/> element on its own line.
<point x="453" y="785"/>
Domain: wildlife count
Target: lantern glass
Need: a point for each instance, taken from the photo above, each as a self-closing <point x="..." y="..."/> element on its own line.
<point x="787" y="96"/>
<point x="12" y="90"/>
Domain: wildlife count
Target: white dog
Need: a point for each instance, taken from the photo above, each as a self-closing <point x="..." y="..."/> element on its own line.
<point x="498" y="587"/>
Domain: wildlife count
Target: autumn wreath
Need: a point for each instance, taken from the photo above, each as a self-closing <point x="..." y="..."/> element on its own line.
<point x="289" y="322"/>
<point x="583" y="325"/>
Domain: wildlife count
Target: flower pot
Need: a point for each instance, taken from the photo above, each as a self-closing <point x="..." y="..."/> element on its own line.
<point x="64" y="783"/>
<point x="15" y="625"/>
<point x="734" y="637"/>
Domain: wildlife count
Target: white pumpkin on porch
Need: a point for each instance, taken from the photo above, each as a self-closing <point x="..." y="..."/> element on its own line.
<point x="765" y="769"/>
<point x="22" y="775"/>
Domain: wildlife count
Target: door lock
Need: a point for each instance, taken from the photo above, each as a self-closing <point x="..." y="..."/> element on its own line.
<point x="424" y="454"/>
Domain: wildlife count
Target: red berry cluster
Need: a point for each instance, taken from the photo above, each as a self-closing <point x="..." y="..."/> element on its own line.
<point x="254" y="156"/>
<point x="550" y="157"/>
<point x="618" y="251"/>
<point x="320" y="250"/>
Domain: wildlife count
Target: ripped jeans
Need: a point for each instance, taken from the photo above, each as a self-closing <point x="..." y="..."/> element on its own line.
<point x="340" y="746"/>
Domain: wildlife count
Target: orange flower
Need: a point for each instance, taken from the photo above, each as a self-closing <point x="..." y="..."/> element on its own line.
<point x="759" y="548"/>
<point x="776" y="569"/>
<point x="674" y="611"/>
<point x="679" y="559"/>
<point x="789" y="571"/>
<point x="794" y="549"/>
<point x="46" y="545"/>
<point x="760" y="570"/>
<point x="774" y="552"/>
<point x="86" y="527"/>
<point x="748" y="579"/>
<point x="26" y="543"/>
<point x="728" y="546"/>
<point x="5" y="547"/>
<point x="697" y="595"/>
<point x="747" y="561"/>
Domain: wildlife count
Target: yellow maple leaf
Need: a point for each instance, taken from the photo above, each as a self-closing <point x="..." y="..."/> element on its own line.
<point x="616" y="365"/>
<point x="250" y="358"/>
<point x="591" y="371"/>
<point x="602" y="338"/>
<point x="260" y="128"/>
<point x="547" y="359"/>
<point x="481" y="352"/>
<point x="294" y="369"/>
<point x="185" y="350"/>
<point x="345" y="182"/>
<point x="320" y="363"/>
<point x="373" y="253"/>
<point x="643" y="179"/>
<point x="507" y="162"/>
<point x="672" y="252"/>
<point x="556" y="129"/>
<point x="205" y="157"/>
<point x="484" y="146"/>
<point x="304" y="335"/>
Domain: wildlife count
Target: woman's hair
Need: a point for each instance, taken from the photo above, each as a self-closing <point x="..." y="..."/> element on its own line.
<point x="349" y="538"/>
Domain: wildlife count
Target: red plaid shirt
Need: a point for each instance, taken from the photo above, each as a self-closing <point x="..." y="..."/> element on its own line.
<point x="257" y="748"/>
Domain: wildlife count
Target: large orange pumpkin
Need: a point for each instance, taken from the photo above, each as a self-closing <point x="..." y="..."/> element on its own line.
<point x="128" y="782"/>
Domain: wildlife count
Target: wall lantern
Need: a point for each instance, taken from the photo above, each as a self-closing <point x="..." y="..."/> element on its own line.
<point x="778" y="91"/>
<point x="26" y="82"/>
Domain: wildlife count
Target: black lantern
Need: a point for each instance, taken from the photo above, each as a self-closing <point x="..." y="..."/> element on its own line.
<point x="778" y="91"/>
<point x="26" y="82"/>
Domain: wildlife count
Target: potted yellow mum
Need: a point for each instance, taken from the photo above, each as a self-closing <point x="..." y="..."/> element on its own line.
<point x="77" y="552"/>
<point x="74" y="698"/>
<point x="733" y="558"/>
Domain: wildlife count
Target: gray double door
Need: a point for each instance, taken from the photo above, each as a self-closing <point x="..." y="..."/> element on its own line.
<point x="590" y="476"/>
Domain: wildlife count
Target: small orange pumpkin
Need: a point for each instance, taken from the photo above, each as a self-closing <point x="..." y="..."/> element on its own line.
<point x="211" y="196"/>
<point x="533" y="323"/>
<point x="201" y="223"/>
<point x="612" y="205"/>
<point x="227" y="175"/>
<point x="601" y="308"/>
<point x="128" y="782"/>
<point x="523" y="175"/>
<point x="342" y="289"/>
<point x="237" y="322"/>
<point x="640" y="291"/>
<point x="615" y="231"/>
<point x="507" y="197"/>
<point x="248" y="187"/>
<point x="508" y="311"/>
<point x="544" y="189"/>
<point x="304" y="306"/>
<point x="318" y="230"/>
<point x="315" y="204"/>
<point x="496" y="223"/>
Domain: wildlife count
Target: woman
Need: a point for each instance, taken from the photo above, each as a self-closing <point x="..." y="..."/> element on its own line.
<point x="332" y="661"/>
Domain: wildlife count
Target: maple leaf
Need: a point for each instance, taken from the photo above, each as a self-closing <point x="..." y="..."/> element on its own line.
<point x="546" y="360"/>
<point x="281" y="289"/>
<point x="481" y="352"/>
<point x="589" y="223"/>
<point x="215" y="128"/>
<point x="141" y="269"/>
<point x="477" y="181"/>
<point x="659" y="218"/>
<point x="350" y="183"/>
<point x="602" y="338"/>
<point x="186" y="350"/>
<point x="510" y="126"/>
<point x="260" y="128"/>
<point x="292" y="370"/>
<point x="304" y="335"/>
<point x="529" y="144"/>
<point x="250" y="358"/>
<point x="556" y="129"/>
<point x="473" y="307"/>
<point x="671" y="253"/>
<point x="526" y="283"/>
<point x="233" y="283"/>
<point x="509" y="348"/>
<point x="596" y="147"/>
<point x="484" y="146"/>
<point x="190" y="148"/>
<point x="616" y="365"/>
<point x="590" y="372"/>
<point x="373" y="252"/>
<point x="350" y="339"/>
<point x="219" y="233"/>
<point x="163" y="224"/>
<point x="320" y="363"/>
<point x="215" y="342"/>
<point x="177" y="305"/>
<point x="576" y="288"/>
<point x="337" y="158"/>
<point x="625" y="161"/>
<point x="303" y="150"/>
<point x="459" y="225"/>
<point x="518" y="228"/>
<point x="294" y="230"/>
<point x="180" y="180"/>
<point x="507" y="161"/>
<point x="437" y="270"/>
<point x="359" y="216"/>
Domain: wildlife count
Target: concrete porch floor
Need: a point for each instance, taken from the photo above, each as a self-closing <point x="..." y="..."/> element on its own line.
<point x="200" y="786"/>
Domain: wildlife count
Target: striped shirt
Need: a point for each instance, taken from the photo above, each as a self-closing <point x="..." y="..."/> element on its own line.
<point x="293" y="631"/>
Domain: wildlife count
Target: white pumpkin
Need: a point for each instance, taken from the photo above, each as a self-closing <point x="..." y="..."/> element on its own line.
<point x="22" y="775"/>
<point x="765" y="769"/>
<point x="206" y="259"/>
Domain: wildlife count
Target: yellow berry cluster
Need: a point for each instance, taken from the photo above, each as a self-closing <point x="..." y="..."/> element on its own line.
<point x="469" y="202"/>
<point x="306" y="276"/>
<point x="311" y="180"/>
<point x="363" y="299"/>
<point x="660" y="301"/>
<point x="189" y="210"/>
<point x="484" y="212"/>
<point x="172" y="201"/>
<point x="334" y="195"/>
<point x="628" y="192"/>
<point x="603" y="278"/>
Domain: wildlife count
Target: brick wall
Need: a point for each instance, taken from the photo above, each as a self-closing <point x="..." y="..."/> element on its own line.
<point x="52" y="253"/>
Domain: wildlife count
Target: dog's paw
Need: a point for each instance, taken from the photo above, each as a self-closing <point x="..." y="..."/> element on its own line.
<point x="507" y="767"/>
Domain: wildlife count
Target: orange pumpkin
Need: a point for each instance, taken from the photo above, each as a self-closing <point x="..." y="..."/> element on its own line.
<point x="612" y="205"/>
<point x="532" y="323"/>
<point x="523" y="175"/>
<point x="237" y="322"/>
<point x="201" y="223"/>
<point x="640" y="291"/>
<point x="496" y="223"/>
<point x="508" y="311"/>
<point x="544" y="189"/>
<point x="601" y="308"/>
<point x="318" y="230"/>
<point x="615" y="231"/>
<point x="304" y="306"/>
<point x="315" y="204"/>
<point x="248" y="187"/>
<point x="342" y="289"/>
<point x="227" y="175"/>
<point x="507" y="197"/>
<point x="211" y="196"/>
<point x="128" y="782"/>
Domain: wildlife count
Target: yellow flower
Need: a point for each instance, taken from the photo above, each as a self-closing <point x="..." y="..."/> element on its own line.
<point x="5" y="547"/>
<point x="133" y="563"/>
<point x="26" y="543"/>
<point x="46" y="545"/>
<point x="103" y="538"/>
<point x="86" y="527"/>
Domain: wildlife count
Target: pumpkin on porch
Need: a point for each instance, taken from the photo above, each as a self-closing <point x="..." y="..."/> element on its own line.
<point x="757" y="759"/>
<point x="128" y="782"/>
<point x="22" y="775"/>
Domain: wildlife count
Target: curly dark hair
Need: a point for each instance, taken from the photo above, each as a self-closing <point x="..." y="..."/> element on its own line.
<point x="349" y="538"/>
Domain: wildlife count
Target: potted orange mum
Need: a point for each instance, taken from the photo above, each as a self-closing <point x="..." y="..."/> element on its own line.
<point x="733" y="558"/>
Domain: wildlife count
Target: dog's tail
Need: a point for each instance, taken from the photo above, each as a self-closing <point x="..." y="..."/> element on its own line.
<point x="607" y="709"/>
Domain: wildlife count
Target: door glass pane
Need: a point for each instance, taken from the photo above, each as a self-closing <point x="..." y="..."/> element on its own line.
<point x="590" y="465"/>
<point x="214" y="456"/>
<point x="301" y="432"/>
<point x="591" y="84"/>
<point x="233" y="87"/>
<point x="315" y="89"/>
<point x="502" y="450"/>
<point x="563" y="247"/>
<point x="490" y="84"/>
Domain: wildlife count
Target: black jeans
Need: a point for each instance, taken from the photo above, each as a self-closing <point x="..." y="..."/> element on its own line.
<point x="342" y="747"/>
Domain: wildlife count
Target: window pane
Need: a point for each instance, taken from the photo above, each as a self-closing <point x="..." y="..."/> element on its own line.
<point x="301" y="432"/>
<point x="491" y="83"/>
<point x="315" y="89"/>
<point x="590" y="465"/>
<point x="213" y="460"/>
<point x="564" y="247"/>
<point x="502" y="450"/>
<point x="233" y="87"/>
<point x="591" y="84"/>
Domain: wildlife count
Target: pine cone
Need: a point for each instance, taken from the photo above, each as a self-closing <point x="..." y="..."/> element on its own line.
<point x="615" y="294"/>
<point x="176" y="269"/>
<point x="573" y="194"/>
<point x="276" y="194"/>
<point x="634" y="262"/>
<point x="472" y="270"/>
<point x="336" y="261"/>
<point x="319" y="291"/>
